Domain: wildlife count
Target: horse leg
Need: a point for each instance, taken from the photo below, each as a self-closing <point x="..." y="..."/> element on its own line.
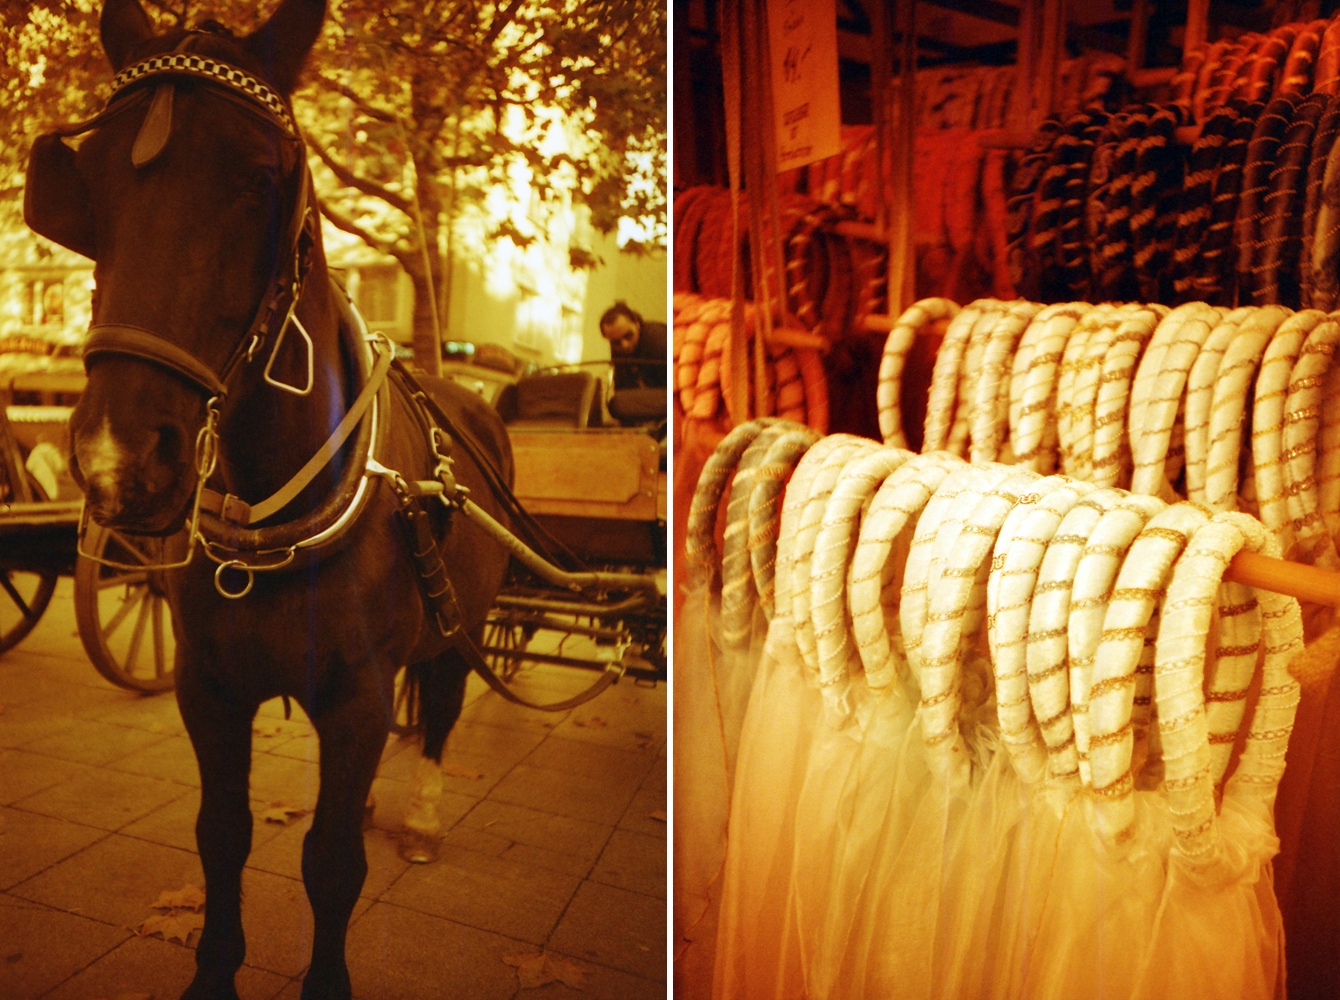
<point x="352" y="735"/>
<point x="441" y="695"/>
<point x="220" y="731"/>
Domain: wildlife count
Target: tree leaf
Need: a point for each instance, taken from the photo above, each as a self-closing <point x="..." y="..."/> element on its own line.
<point x="188" y="897"/>
<point x="535" y="970"/>
<point x="174" y="926"/>
<point x="455" y="770"/>
<point x="280" y="812"/>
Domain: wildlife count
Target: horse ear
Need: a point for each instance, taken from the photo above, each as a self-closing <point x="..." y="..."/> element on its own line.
<point x="123" y="26"/>
<point x="282" y="43"/>
<point x="55" y="202"/>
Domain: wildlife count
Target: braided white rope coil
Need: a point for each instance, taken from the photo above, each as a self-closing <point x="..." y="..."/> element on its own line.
<point x="1268" y="407"/>
<point x="700" y="555"/>
<point x="1047" y="643"/>
<point x="765" y="502"/>
<point x="955" y="610"/>
<point x="1231" y="403"/>
<point x="943" y="514"/>
<point x="1122" y="687"/>
<point x="969" y="373"/>
<point x="945" y="373"/>
<point x="834" y="546"/>
<point x="1033" y="388"/>
<point x="1016" y="559"/>
<point x="1200" y="387"/>
<point x="893" y="362"/>
<point x="1155" y="453"/>
<point x="806" y="533"/>
<point x="1094" y="581"/>
<point x="1300" y="437"/>
<point x="739" y="596"/>
<point x="1111" y="462"/>
<point x="875" y="580"/>
<point x="989" y="406"/>
<point x="1179" y="679"/>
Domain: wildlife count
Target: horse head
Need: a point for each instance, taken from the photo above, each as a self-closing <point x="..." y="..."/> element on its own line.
<point x="189" y="193"/>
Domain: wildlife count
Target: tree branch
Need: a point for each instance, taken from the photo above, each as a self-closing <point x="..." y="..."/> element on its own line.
<point x="344" y="223"/>
<point x="350" y="179"/>
<point x="372" y="111"/>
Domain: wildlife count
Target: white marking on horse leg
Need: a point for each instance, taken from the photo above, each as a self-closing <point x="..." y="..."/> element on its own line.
<point x="425" y="793"/>
<point x="423" y="824"/>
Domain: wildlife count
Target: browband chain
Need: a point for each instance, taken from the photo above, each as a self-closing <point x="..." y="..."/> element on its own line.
<point x="210" y="69"/>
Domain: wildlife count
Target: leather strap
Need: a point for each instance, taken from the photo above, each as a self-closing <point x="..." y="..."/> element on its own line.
<point x="134" y="342"/>
<point x="153" y="135"/>
<point x="230" y="508"/>
<point x="466" y="647"/>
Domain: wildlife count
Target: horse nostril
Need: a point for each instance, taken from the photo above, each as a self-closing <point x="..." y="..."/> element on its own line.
<point x="168" y="448"/>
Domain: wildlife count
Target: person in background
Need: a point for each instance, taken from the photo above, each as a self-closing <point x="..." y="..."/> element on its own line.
<point x="632" y="337"/>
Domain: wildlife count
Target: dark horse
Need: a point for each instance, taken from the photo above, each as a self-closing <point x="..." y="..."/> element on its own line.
<point x="219" y="350"/>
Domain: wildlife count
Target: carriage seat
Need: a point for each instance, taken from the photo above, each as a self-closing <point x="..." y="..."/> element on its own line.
<point x="557" y="399"/>
<point x="634" y="407"/>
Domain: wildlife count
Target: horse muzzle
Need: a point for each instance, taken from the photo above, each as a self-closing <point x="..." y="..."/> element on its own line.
<point x="140" y="484"/>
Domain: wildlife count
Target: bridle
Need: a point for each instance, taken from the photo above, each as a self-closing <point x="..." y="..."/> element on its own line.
<point x="285" y="286"/>
<point x="274" y="316"/>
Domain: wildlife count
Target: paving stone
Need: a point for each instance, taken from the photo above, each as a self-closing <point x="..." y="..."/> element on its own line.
<point x="103" y="798"/>
<point x="284" y="779"/>
<point x="115" y="880"/>
<point x="646" y="813"/>
<point x="41" y="947"/>
<point x="523" y="825"/>
<point x="171" y="759"/>
<point x="96" y="743"/>
<point x="23" y="774"/>
<point x="487" y="892"/>
<point x="598" y="983"/>
<point x="633" y="861"/>
<point x="626" y="717"/>
<point x="156" y="713"/>
<point x="174" y="824"/>
<point x="30" y="843"/>
<point x="282" y="855"/>
<point x="152" y="965"/>
<point x="614" y="927"/>
<point x="277" y="921"/>
<point x="575" y="795"/>
<point x="23" y="722"/>
<point x="400" y="954"/>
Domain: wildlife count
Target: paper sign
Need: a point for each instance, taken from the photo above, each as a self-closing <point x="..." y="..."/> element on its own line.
<point x="802" y="37"/>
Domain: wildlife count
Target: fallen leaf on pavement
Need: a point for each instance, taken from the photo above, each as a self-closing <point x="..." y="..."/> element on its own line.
<point x="658" y="815"/>
<point x="188" y="897"/>
<point x="280" y="812"/>
<point x="536" y="970"/>
<point x="173" y="926"/>
<point x="595" y="722"/>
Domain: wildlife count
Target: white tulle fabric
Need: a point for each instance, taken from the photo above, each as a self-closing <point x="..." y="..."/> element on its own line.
<point x="984" y="752"/>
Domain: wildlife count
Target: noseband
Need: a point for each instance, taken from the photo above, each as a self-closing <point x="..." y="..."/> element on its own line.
<point x="285" y="286"/>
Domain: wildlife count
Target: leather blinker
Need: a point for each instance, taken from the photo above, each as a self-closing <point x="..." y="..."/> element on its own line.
<point x="55" y="202"/>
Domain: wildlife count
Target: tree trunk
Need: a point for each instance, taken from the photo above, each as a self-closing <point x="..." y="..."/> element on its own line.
<point x="427" y="349"/>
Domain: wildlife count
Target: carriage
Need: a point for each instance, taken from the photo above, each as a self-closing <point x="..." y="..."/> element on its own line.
<point x="121" y="613"/>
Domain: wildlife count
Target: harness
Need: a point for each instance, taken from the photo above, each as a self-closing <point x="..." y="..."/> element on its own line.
<point x="224" y="524"/>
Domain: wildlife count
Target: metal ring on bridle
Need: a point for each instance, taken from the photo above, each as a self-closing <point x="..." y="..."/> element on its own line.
<point x="238" y="565"/>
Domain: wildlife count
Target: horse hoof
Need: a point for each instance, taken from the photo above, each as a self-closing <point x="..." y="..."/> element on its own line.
<point x="418" y="848"/>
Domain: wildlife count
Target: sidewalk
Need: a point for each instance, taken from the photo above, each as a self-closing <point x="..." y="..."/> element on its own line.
<point x="555" y="843"/>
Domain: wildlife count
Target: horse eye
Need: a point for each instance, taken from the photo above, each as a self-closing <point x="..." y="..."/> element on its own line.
<point x="258" y="182"/>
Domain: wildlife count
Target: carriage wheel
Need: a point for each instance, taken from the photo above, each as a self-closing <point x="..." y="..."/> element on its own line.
<point x="123" y="616"/>
<point x="24" y="595"/>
